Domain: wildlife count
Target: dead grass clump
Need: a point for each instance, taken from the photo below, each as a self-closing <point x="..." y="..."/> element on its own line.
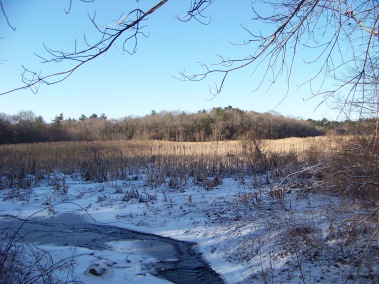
<point x="130" y="195"/>
<point x="281" y="164"/>
<point x="247" y="199"/>
<point x="313" y="154"/>
<point x="59" y="185"/>
<point x="300" y="231"/>
<point x="133" y="195"/>
<point x="211" y="183"/>
<point x="353" y="168"/>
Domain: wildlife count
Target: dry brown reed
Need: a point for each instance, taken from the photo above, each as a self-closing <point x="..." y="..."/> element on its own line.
<point x="304" y="148"/>
<point x="102" y="161"/>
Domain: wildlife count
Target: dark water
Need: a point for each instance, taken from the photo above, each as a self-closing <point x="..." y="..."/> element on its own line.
<point x="178" y="261"/>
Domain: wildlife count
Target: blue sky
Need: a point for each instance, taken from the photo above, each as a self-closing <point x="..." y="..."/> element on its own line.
<point x="121" y="85"/>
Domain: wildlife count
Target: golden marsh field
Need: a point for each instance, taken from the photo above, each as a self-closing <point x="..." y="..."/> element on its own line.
<point x="111" y="156"/>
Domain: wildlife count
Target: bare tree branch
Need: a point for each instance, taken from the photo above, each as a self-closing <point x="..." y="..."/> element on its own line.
<point x="6" y="17"/>
<point x="129" y="26"/>
<point x="70" y="5"/>
<point x="131" y="22"/>
<point x="342" y="35"/>
<point x="196" y="12"/>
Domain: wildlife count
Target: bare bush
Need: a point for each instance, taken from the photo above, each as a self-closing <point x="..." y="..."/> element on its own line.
<point x="23" y="262"/>
<point x="353" y="169"/>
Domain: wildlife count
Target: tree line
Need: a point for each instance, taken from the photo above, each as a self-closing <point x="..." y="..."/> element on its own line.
<point x="217" y="124"/>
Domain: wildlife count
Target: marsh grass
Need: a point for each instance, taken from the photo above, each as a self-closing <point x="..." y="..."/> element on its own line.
<point x="284" y="166"/>
<point x="24" y="165"/>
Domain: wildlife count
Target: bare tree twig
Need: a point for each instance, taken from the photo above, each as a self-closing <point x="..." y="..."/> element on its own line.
<point x="6" y="17"/>
<point x="128" y="25"/>
<point x="32" y="79"/>
<point x="343" y="37"/>
<point x="70" y="5"/>
<point x="196" y="12"/>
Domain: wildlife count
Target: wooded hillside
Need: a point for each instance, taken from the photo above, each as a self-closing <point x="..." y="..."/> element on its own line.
<point x="217" y="124"/>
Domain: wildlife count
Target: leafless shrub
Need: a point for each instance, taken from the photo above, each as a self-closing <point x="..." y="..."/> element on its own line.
<point x="14" y="268"/>
<point x="281" y="164"/>
<point x="353" y="168"/>
<point x="23" y="262"/>
<point x="281" y="160"/>
<point x="302" y="179"/>
<point x="313" y="154"/>
<point x="252" y="147"/>
<point x="354" y="231"/>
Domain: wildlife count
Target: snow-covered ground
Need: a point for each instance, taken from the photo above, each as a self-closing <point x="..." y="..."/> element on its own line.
<point x="245" y="231"/>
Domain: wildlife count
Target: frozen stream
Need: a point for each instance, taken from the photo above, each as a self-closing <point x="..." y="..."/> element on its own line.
<point x="177" y="261"/>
